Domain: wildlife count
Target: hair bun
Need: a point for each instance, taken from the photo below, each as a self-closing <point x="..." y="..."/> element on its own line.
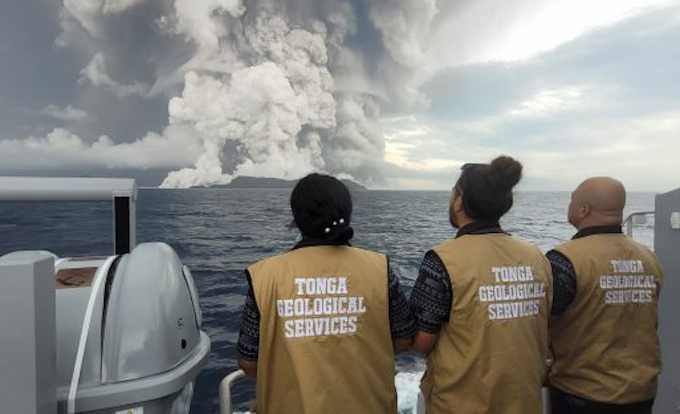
<point x="504" y="172"/>
<point x="341" y="234"/>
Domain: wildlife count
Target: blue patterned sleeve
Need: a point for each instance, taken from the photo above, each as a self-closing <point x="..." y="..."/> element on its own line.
<point x="402" y="324"/>
<point x="249" y="336"/>
<point x="432" y="295"/>
<point x="564" y="282"/>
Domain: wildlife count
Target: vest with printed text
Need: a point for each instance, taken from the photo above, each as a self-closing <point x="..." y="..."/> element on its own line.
<point x="491" y="355"/>
<point x="605" y="343"/>
<point x="325" y="341"/>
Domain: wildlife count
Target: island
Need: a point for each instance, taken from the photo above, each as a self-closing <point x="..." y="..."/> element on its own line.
<point x="263" y="182"/>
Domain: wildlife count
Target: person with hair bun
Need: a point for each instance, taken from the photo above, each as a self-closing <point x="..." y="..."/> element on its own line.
<point x="481" y="304"/>
<point x="322" y="323"/>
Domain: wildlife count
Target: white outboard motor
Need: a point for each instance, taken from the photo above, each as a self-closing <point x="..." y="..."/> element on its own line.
<point x="128" y="329"/>
<point x="142" y="343"/>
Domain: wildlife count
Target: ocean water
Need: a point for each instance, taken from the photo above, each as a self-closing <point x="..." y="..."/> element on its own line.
<point x="219" y="232"/>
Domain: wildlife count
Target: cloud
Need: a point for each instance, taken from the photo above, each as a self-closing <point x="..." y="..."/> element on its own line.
<point x="472" y="31"/>
<point x="89" y="14"/>
<point x="407" y="144"/>
<point x="603" y="104"/>
<point x="639" y="150"/>
<point x="119" y="6"/>
<point x="68" y="113"/>
<point x="258" y="108"/>
<point x="60" y="148"/>
<point x="203" y="22"/>
<point x="95" y="73"/>
<point x="405" y="27"/>
<point x="551" y="102"/>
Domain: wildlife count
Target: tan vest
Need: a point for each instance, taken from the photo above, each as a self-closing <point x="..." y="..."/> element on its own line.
<point x="491" y="355"/>
<point x="605" y="343"/>
<point x="325" y="341"/>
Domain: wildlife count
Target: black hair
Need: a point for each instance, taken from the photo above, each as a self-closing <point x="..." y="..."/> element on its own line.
<point x="322" y="208"/>
<point x="486" y="189"/>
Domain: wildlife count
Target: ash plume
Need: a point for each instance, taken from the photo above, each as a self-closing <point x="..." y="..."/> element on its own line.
<point x="293" y="86"/>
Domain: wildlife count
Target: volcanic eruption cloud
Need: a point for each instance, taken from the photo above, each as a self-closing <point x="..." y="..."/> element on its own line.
<point x="273" y="88"/>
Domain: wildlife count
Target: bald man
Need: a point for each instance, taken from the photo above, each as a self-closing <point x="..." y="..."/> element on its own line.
<point x="604" y="314"/>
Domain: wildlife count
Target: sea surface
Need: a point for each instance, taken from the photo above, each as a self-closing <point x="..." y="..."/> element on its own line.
<point x="219" y="232"/>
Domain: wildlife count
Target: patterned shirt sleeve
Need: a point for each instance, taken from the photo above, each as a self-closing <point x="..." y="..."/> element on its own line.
<point x="249" y="337"/>
<point x="564" y="282"/>
<point x="432" y="295"/>
<point x="402" y="324"/>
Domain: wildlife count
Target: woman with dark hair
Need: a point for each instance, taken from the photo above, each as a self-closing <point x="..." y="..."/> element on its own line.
<point x="481" y="304"/>
<point x="321" y="323"/>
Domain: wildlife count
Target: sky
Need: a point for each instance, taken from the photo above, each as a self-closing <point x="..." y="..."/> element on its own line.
<point x="395" y="94"/>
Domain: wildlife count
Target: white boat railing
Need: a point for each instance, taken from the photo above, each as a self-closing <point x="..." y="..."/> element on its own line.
<point x="637" y="218"/>
<point x="121" y="191"/>
<point x="228" y="382"/>
<point x="225" y="389"/>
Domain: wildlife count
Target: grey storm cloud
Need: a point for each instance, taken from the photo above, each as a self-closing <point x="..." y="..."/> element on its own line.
<point x="286" y="87"/>
<point x="604" y="103"/>
<point x="638" y="62"/>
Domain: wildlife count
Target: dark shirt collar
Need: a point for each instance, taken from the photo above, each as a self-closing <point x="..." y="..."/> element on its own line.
<point x="309" y="242"/>
<point x="588" y="231"/>
<point x="480" y="227"/>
